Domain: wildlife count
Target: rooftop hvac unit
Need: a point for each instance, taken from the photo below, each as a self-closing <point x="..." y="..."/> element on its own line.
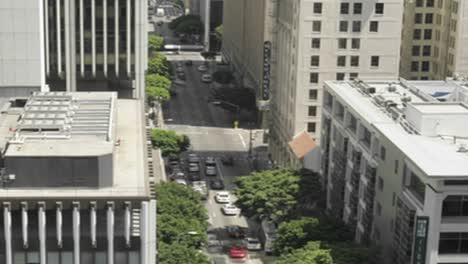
<point x="391" y="88"/>
<point x="390" y="103"/>
<point x="394" y="112"/>
<point x="406" y="99"/>
<point x="380" y="100"/>
<point x="370" y="90"/>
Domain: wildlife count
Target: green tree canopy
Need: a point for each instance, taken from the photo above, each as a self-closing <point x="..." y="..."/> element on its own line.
<point x="155" y="43"/>
<point x="169" y="142"/>
<point x="189" y="27"/>
<point x="351" y="253"/>
<point x="158" y="81"/>
<point x="177" y="254"/>
<point x="158" y="64"/>
<point x="310" y="254"/>
<point x="191" y="18"/>
<point x="271" y="193"/>
<point x="219" y="31"/>
<point x="154" y="93"/>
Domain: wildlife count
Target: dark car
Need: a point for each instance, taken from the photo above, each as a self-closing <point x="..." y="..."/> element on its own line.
<point x="188" y="63"/>
<point x="194" y="176"/>
<point x="217" y="185"/>
<point x="228" y="161"/>
<point x="236" y="231"/>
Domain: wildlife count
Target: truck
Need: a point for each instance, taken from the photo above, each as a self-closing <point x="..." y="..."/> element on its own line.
<point x="160" y="12"/>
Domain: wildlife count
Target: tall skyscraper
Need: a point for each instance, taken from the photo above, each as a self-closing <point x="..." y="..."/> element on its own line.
<point x="435" y="37"/>
<point x="74" y="45"/>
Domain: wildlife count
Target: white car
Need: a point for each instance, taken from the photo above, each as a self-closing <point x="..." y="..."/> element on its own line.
<point x="181" y="181"/>
<point x="193" y="158"/>
<point x="253" y="244"/>
<point x="230" y="209"/>
<point x="193" y="167"/>
<point x="210" y="161"/>
<point x="180" y="70"/>
<point x="222" y="197"/>
<point x="206" y="78"/>
<point x="210" y="171"/>
<point x="202" y="68"/>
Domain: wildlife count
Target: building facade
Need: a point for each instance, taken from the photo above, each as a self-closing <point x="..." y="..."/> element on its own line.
<point x="78" y="45"/>
<point x="394" y="161"/>
<point x="434" y="39"/>
<point x="76" y="181"/>
<point x="326" y="40"/>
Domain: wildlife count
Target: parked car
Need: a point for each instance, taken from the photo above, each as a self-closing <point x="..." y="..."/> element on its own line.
<point x="200" y="187"/>
<point x="230" y="209"/>
<point x="194" y="167"/>
<point x="206" y="78"/>
<point x="181" y="76"/>
<point x="180" y="69"/>
<point x="235" y="231"/>
<point x="210" y="161"/>
<point x="181" y="181"/>
<point x="237" y="252"/>
<point x="210" y="171"/>
<point x="222" y="197"/>
<point x="194" y="176"/>
<point x="202" y="68"/>
<point x="253" y="244"/>
<point x="188" y="63"/>
<point x="228" y="161"/>
<point x="193" y="158"/>
<point x="217" y="184"/>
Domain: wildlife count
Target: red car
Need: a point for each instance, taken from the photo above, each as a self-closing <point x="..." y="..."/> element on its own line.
<point x="237" y="252"/>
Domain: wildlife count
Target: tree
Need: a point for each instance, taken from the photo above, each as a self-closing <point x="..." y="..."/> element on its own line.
<point x="155" y="43"/>
<point x="158" y="81"/>
<point x="154" y="93"/>
<point x="312" y="253"/>
<point x="169" y="142"/>
<point x="219" y="32"/>
<point x="177" y="254"/>
<point x="189" y="27"/>
<point x="310" y="193"/>
<point x="174" y="23"/>
<point x="158" y="64"/>
<point x="351" y="253"/>
<point x="271" y="193"/>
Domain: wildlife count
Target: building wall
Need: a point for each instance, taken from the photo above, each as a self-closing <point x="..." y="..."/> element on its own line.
<point x="21" y="46"/>
<point x="446" y="53"/>
<point x="295" y="86"/>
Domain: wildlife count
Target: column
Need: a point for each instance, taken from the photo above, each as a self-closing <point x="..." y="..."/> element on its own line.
<point x="137" y="47"/>
<point x="82" y="66"/>
<point x="24" y="223"/>
<point x="152" y="235"/>
<point x="93" y="36"/>
<point x="7" y="229"/>
<point x="207" y="25"/>
<point x="46" y="38"/>
<point x="93" y="222"/>
<point x="144" y="232"/>
<point x="104" y="33"/>
<point x="128" y="223"/>
<point x="110" y="233"/>
<point x="129" y="35"/>
<point x="42" y="233"/>
<point x="70" y="51"/>
<point x="116" y="36"/>
<point x="59" y="36"/>
<point x="59" y="225"/>
<point x="76" y="233"/>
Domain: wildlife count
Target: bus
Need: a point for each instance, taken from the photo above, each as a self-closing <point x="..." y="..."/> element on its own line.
<point x="171" y="47"/>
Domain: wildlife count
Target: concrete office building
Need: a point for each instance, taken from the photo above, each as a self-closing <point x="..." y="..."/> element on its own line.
<point x="434" y="39"/>
<point x="394" y="161"/>
<point x="198" y="7"/>
<point x="326" y="40"/>
<point x="75" y="181"/>
<point x="76" y="45"/>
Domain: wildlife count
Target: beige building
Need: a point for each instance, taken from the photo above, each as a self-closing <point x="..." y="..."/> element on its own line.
<point x="435" y="38"/>
<point x="326" y="40"/>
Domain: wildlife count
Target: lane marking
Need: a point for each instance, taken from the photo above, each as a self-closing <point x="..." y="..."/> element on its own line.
<point x="242" y="140"/>
<point x="214" y="214"/>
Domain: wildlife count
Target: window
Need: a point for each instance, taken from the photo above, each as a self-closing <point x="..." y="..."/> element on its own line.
<point x="438" y="19"/>
<point x="313" y="94"/>
<point x="355" y="43"/>
<point x="343" y="26"/>
<point x="425" y="66"/>
<point x="379" y="8"/>
<point x="416" y="50"/>
<point x="316" y="43"/>
<point x="312" y="110"/>
<point x="428" y="34"/>
<point x="353" y="75"/>
<point x="436" y="52"/>
<point x="375" y="60"/>
<point x="414" y="66"/>
<point x="380" y="183"/>
<point x="440" y="3"/>
<point x="344" y="8"/>
<point x="311" y="127"/>
<point x="419" y="3"/>
<point x="357" y="8"/>
<point x="455" y="205"/>
<point x="418" y="18"/>
<point x="341" y="61"/>
<point x="417" y="34"/>
<point x="356" y="26"/>
<point x="340" y="76"/>
<point x="383" y="153"/>
<point x="453" y="243"/>
<point x="379" y="209"/>
<point x="395" y="168"/>
<point x="313" y="77"/>
<point x="454" y="7"/>
<point x="429" y="3"/>
<point x="315" y="61"/>
<point x="317" y="8"/>
<point x="426" y="50"/>
<point x="316" y="26"/>
<point x="374" y="26"/>
<point x="342" y="43"/>
<point x="437" y="35"/>
<point x="354" y="61"/>
<point x="429" y="18"/>
<point x="453" y="25"/>
<point x="424" y="78"/>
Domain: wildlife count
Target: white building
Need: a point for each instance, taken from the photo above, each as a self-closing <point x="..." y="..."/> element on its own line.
<point x="73" y="45"/>
<point x="395" y="166"/>
<point x="326" y="40"/>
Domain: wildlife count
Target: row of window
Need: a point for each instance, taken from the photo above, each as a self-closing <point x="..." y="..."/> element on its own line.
<point x="342" y="43"/>
<point x="423" y="66"/>
<point x="341" y="61"/>
<point x="344" y="25"/>
<point x="314" y="78"/>
<point x="345" y="8"/>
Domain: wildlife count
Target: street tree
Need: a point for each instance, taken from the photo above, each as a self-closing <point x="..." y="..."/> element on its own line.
<point x="270" y="193"/>
<point x="177" y="254"/>
<point x="189" y="27"/>
<point x="191" y="18"/>
<point x="158" y="81"/>
<point x="312" y="253"/>
<point x="169" y="142"/>
<point x="158" y="64"/>
<point x="155" y="43"/>
<point x="219" y="32"/>
<point x="352" y="253"/>
<point x="155" y="93"/>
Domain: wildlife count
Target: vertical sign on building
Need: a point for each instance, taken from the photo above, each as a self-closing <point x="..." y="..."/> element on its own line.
<point x="420" y="240"/>
<point x="266" y="70"/>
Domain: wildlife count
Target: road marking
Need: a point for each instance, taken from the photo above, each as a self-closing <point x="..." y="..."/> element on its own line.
<point x="242" y="140"/>
<point x="210" y="201"/>
<point x="214" y="214"/>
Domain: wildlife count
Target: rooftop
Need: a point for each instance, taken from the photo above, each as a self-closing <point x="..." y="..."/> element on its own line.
<point x="432" y="132"/>
<point x="78" y="126"/>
